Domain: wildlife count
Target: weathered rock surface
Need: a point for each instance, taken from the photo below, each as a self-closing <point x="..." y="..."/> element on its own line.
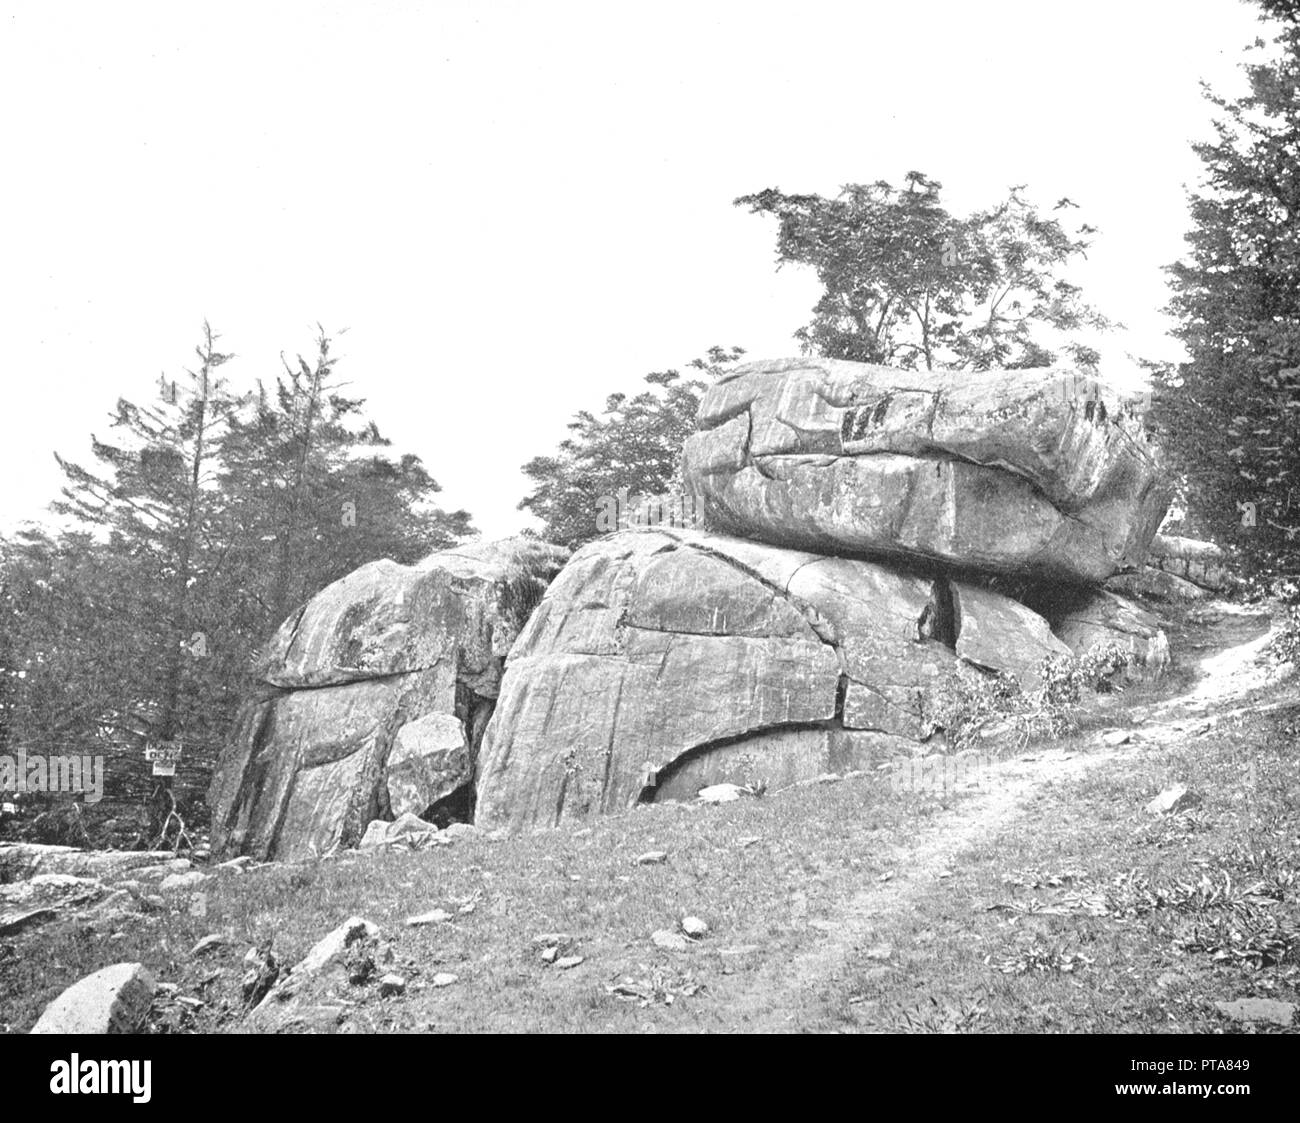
<point x="1101" y="617"/>
<point x="1201" y="563"/>
<point x="430" y="759"/>
<point x="306" y="768"/>
<point x="1156" y="584"/>
<point x="998" y="472"/>
<point x="114" y="999"/>
<point x="21" y="860"/>
<point x="661" y="662"/>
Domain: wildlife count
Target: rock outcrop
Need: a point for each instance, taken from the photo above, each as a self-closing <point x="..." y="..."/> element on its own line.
<point x="1201" y="563"/>
<point x="999" y="472"/>
<point x="660" y="662"/>
<point x="389" y="656"/>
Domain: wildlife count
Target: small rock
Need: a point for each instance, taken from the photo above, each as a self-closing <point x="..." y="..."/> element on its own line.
<point x="880" y="951"/>
<point x="114" y="999"/>
<point x="235" y="865"/>
<point x="443" y="979"/>
<point x="334" y="945"/>
<point x="651" y="858"/>
<point x="721" y="793"/>
<point x="215" y="940"/>
<point x="1172" y="800"/>
<point x="549" y="954"/>
<point x="391" y="985"/>
<point x="694" y="927"/>
<point x="434" y="916"/>
<point x="669" y="941"/>
<point x="182" y="882"/>
<point x="1258" y="1010"/>
<point x="1116" y="737"/>
<point x="568" y="961"/>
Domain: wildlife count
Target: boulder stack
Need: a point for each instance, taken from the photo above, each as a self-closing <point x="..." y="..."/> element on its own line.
<point x="861" y="523"/>
<point x="864" y="529"/>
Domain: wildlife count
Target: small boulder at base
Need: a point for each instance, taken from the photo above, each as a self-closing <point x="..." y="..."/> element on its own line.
<point x="428" y="762"/>
<point x="114" y="999"/>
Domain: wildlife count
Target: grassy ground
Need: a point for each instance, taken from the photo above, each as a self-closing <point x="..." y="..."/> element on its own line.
<point x="1042" y="899"/>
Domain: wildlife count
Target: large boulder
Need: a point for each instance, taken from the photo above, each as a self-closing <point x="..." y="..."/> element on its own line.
<point x="386" y="648"/>
<point x="1201" y="563"/>
<point x="660" y="662"/>
<point x="1001" y="471"/>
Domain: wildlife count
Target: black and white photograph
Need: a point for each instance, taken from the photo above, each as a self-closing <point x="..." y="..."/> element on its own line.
<point x="553" y="518"/>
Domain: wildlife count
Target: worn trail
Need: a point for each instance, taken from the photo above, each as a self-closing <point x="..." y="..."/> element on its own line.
<point x="1226" y="680"/>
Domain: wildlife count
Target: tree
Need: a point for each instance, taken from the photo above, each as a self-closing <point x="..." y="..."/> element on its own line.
<point x="1230" y="415"/>
<point x="154" y="497"/>
<point x="311" y="494"/>
<point x="906" y="283"/>
<point x="204" y="521"/>
<point x="634" y="446"/>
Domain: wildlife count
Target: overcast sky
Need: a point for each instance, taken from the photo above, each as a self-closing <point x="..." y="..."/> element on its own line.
<point x="518" y="208"/>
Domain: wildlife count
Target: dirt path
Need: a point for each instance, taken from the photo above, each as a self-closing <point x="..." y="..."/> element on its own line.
<point x="1226" y="677"/>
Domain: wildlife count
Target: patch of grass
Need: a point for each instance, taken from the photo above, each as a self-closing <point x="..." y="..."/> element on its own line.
<point x="1091" y="916"/>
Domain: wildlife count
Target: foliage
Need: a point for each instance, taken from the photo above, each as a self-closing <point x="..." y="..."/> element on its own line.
<point x="204" y="520"/>
<point x="970" y="702"/>
<point x="1228" y="416"/>
<point x="634" y="445"/>
<point x="907" y="283"/>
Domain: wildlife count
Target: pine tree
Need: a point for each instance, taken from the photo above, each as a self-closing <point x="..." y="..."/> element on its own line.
<point x="1230" y="415"/>
<point x="154" y="496"/>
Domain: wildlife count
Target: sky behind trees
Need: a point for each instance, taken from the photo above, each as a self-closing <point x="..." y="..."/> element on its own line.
<point x="517" y="209"/>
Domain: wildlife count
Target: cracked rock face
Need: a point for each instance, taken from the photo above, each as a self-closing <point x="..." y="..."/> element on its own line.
<point x="390" y="654"/>
<point x="660" y="662"/>
<point x="1001" y="472"/>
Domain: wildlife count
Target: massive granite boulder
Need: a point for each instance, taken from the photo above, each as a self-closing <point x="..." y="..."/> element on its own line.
<point x="1023" y="472"/>
<point x="663" y="661"/>
<point x="373" y="698"/>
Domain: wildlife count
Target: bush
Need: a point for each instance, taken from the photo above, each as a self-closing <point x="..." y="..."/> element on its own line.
<point x="970" y="700"/>
<point x="1285" y="646"/>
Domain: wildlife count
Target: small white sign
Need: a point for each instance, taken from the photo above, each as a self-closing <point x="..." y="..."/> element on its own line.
<point x="164" y="758"/>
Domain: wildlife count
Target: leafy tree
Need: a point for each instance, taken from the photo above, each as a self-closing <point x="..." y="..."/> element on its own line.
<point x="907" y="283"/>
<point x="633" y="445"/>
<point x="1230" y="415"/>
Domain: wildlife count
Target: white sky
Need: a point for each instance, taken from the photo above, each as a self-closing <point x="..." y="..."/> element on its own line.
<point x="518" y="208"/>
